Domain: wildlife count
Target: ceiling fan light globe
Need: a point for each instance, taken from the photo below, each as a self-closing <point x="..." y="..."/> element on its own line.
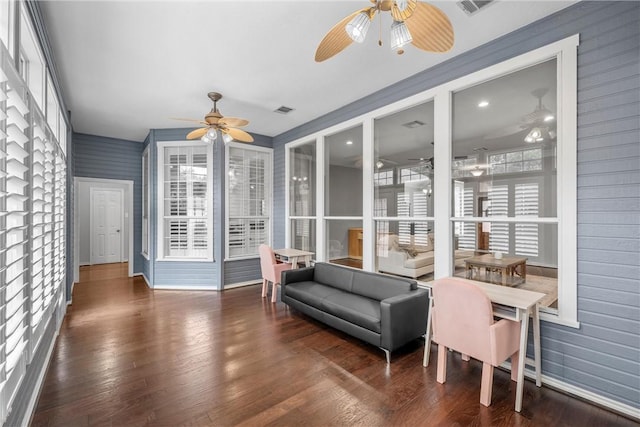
<point x="212" y="134"/>
<point x="227" y="138"/>
<point x="400" y="35"/>
<point x="357" y="28"/>
<point x="205" y="139"/>
<point x="379" y="164"/>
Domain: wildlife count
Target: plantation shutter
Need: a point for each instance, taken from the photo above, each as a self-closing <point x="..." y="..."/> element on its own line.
<point x="467" y="237"/>
<point x="412" y="204"/>
<point x="185" y="206"/>
<point x="526" y="204"/>
<point x="499" y="206"/>
<point x="14" y="200"/>
<point x="249" y="201"/>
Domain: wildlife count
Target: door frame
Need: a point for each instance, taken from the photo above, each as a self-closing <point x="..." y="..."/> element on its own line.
<point x="92" y="190"/>
<point x="76" y="220"/>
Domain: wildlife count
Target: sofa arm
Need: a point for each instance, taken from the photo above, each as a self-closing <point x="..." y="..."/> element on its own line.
<point x="403" y="318"/>
<point x="297" y="275"/>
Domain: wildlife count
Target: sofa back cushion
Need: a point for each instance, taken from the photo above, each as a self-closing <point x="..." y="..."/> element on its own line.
<point x="333" y="275"/>
<point x="379" y="287"/>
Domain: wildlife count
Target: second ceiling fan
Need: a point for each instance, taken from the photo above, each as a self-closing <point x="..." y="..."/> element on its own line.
<point x="215" y="122"/>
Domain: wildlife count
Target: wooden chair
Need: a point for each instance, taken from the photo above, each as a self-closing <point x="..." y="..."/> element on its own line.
<point x="463" y="321"/>
<point x="271" y="271"/>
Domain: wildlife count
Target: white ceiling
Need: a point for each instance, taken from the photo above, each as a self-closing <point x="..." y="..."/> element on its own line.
<point x="127" y="67"/>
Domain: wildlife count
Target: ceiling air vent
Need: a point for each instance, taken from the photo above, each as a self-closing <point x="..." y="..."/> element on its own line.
<point x="283" y="110"/>
<point x="471" y="7"/>
<point x="413" y="124"/>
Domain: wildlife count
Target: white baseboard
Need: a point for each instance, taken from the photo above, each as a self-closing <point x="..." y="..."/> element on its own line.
<point x="184" y="288"/>
<point x="84" y="264"/>
<point x="242" y="284"/>
<point x="572" y="390"/>
<point x="146" y="280"/>
<point x="35" y="394"/>
<point x="599" y="400"/>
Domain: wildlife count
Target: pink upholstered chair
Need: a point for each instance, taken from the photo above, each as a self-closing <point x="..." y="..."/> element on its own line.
<point x="271" y="271"/>
<point x="463" y="321"/>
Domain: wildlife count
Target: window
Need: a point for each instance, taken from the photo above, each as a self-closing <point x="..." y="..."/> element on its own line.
<point x="249" y="200"/>
<point x="7" y="13"/>
<point x="32" y="61"/>
<point x="506" y="177"/>
<point x="302" y="196"/>
<point x="145" y="203"/>
<point x="383" y="178"/>
<point x="185" y="201"/>
<point x="32" y="229"/>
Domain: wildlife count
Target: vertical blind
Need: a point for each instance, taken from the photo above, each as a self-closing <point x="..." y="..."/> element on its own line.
<point x="32" y="226"/>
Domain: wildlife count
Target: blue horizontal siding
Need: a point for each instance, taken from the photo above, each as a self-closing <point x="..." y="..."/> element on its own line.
<point x="240" y="271"/>
<point x="603" y="356"/>
<point x="108" y="158"/>
<point x="184" y="274"/>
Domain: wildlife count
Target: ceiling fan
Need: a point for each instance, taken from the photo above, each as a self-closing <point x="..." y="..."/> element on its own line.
<point x="214" y="122"/>
<point x="421" y="24"/>
<point x="424" y="162"/>
<point x="538" y="123"/>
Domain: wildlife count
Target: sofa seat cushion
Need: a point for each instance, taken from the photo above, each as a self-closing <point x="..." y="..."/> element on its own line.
<point x="421" y="260"/>
<point x="311" y="293"/>
<point x="359" y="310"/>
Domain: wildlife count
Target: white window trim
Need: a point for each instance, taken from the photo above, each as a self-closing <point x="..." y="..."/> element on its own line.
<point x="160" y="257"/>
<point x="268" y="191"/>
<point x="145" y="199"/>
<point x="565" y="51"/>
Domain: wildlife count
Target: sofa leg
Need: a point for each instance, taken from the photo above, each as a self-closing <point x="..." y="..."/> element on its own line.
<point x="387" y="353"/>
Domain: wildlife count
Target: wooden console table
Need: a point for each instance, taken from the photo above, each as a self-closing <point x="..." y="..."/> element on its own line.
<point x="512" y="269"/>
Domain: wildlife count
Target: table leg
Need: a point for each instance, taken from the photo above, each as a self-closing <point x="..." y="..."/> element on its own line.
<point x="536" y="344"/>
<point x="427" y="336"/>
<point x="294" y="262"/>
<point x="524" y="331"/>
<point x="307" y="261"/>
<point x="504" y="272"/>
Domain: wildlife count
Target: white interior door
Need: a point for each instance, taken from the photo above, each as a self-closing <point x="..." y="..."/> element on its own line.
<point x="106" y="226"/>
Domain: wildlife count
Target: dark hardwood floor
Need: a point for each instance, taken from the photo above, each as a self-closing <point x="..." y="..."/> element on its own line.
<point x="129" y="356"/>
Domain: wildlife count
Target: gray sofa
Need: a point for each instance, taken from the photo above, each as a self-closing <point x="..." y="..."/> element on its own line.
<point x="385" y="311"/>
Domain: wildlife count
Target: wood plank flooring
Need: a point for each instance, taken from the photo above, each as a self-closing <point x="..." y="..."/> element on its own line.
<point x="129" y="356"/>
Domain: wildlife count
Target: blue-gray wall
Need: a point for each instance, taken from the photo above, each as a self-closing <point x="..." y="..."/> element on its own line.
<point x="109" y="158"/>
<point x="603" y="356"/>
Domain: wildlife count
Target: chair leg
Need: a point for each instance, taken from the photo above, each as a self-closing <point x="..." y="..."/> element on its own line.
<point x="265" y="286"/>
<point x="442" y="364"/>
<point x="514" y="366"/>
<point x="274" y="292"/>
<point x="487" y="384"/>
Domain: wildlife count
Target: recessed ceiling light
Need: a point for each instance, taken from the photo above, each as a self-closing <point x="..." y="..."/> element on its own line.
<point x="349" y="142"/>
<point x="549" y="118"/>
<point x="483" y="104"/>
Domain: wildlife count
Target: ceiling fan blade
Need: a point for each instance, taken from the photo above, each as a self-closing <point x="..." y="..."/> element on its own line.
<point x="233" y="121"/>
<point x="238" y="135"/>
<point x="198" y="133"/>
<point x="430" y="28"/>
<point x="337" y="39"/>
<point x="506" y="131"/>
<point x="189" y="120"/>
